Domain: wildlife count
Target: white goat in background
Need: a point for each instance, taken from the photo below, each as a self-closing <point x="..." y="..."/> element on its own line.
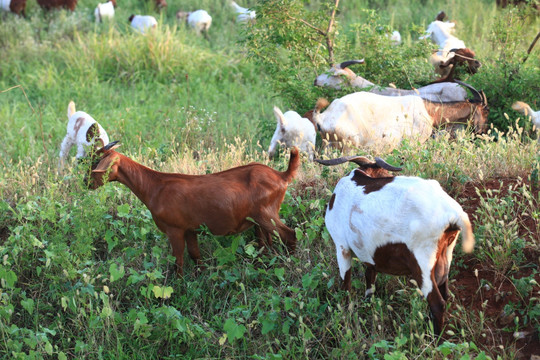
<point x="198" y="20"/>
<point x="244" y="14"/>
<point x="82" y="131"/>
<point x="293" y="130"/>
<point x="105" y="10"/>
<point x="143" y="23"/>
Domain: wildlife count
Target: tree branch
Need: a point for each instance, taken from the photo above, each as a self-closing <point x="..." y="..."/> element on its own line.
<point x="531" y="47"/>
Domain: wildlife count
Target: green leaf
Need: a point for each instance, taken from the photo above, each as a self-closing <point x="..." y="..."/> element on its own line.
<point x="62" y="356"/>
<point x="233" y="330"/>
<point x="116" y="272"/>
<point x="123" y="210"/>
<point x="268" y="326"/>
<point x="162" y="292"/>
<point x="48" y="348"/>
<point x="28" y="305"/>
<point x="279" y="273"/>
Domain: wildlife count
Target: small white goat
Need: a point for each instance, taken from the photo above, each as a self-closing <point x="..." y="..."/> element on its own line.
<point x="526" y="110"/>
<point x="83" y="131"/>
<point x="244" y="15"/>
<point x="198" y="20"/>
<point x="339" y="75"/>
<point x="293" y="130"/>
<point x="395" y="38"/>
<point x="373" y="121"/>
<point x="396" y="225"/>
<point x="142" y="23"/>
<point x="105" y="10"/>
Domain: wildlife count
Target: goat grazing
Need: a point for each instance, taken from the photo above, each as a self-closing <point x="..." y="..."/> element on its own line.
<point x="526" y="110"/>
<point x="15" y="6"/>
<point x="105" y="10"/>
<point x="371" y="120"/>
<point x="340" y="75"/>
<point x="160" y="4"/>
<point x="143" y="23"/>
<point x="83" y="131"/>
<point x="293" y="130"/>
<point x="244" y="15"/>
<point x="228" y="202"/>
<point x="52" y="4"/>
<point x="198" y="20"/>
<point x="396" y="225"/>
<point x="452" y="51"/>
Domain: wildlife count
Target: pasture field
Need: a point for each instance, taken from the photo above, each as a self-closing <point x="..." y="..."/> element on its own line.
<point x="87" y="275"/>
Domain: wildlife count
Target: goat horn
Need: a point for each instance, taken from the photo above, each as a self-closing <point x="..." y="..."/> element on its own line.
<point x="110" y="145"/>
<point x="484" y="98"/>
<point x="477" y="95"/>
<point x="383" y="164"/>
<point x="360" y="160"/>
<point x="345" y="64"/>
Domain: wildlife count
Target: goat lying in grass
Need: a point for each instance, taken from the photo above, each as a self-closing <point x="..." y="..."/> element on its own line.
<point x="82" y="131"/>
<point x="227" y="202"/>
<point x="396" y="225"/>
<point x="340" y="75"/>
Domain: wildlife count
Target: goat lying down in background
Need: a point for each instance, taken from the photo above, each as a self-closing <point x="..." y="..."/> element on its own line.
<point x="227" y="202"/>
<point x="396" y="225"/>
<point x="339" y="76"/>
<point x="82" y="131"/>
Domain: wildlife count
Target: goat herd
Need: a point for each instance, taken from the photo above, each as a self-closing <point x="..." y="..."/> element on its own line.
<point x="398" y="225"/>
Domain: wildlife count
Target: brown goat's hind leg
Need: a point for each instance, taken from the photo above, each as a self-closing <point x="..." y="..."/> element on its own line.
<point x="176" y="238"/>
<point x="193" y="248"/>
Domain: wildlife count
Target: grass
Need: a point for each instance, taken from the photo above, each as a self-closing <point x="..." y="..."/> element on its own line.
<point x="86" y="274"/>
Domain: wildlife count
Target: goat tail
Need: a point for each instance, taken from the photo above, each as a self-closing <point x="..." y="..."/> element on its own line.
<point x="523" y="108"/>
<point x="321" y="104"/>
<point x="294" y="163"/>
<point x="466" y="232"/>
<point x="71" y="109"/>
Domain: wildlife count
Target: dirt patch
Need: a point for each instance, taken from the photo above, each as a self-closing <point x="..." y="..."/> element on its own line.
<point x="478" y="287"/>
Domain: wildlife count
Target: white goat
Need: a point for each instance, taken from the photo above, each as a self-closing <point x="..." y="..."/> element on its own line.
<point x="293" y="130"/>
<point x="83" y="131"/>
<point x="198" y="20"/>
<point x="142" y="23"/>
<point x="396" y="225"/>
<point x="339" y="75"/>
<point x="244" y="14"/>
<point x="451" y="49"/>
<point x="105" y="10"/>
<point x="373" y="121"/>
<point x="395" y="38"/>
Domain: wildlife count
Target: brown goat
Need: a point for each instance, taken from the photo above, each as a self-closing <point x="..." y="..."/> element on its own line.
<point x="228" y="202"/>
<point x="17" y="7"/>
<point x="160" y="4"/>
<point x="454" y="113"/>
<point x="462" y="57"/>
<point x="53" y="4"/>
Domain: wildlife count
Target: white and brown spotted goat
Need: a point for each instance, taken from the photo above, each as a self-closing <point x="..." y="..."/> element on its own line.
<point x="83" y="131"/>
<point x="396" y="225"/>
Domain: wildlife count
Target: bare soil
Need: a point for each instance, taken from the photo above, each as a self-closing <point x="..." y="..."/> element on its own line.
<point x="490" y="291"/>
